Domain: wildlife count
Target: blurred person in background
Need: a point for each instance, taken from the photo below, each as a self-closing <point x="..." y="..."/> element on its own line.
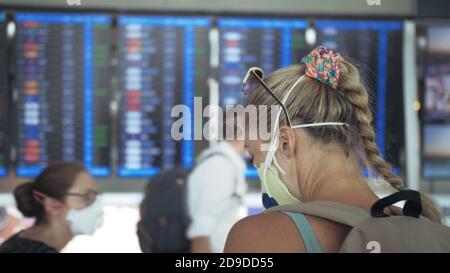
<point x="215" y="190"/>
<point x="9" y="224"/>
<point x="63" y="200"/>
<point x="5" y="232"/>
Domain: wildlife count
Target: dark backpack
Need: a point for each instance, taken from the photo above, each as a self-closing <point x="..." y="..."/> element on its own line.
<point x="164" y="216"/>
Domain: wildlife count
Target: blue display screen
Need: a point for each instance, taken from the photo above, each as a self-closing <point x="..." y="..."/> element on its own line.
<point x="4" y="109"/>
<point x="273" y="43"/>
<point x="246" y="42"/>
<point x="162" y="63"/>
<point x="63" y="83"/>
<point x="63" y="73"/>
<point x="368" y="43"/>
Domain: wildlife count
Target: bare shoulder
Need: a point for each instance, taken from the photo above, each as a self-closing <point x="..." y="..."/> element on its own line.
<point x="266" y="232"/>
<point x="275" y="232"/>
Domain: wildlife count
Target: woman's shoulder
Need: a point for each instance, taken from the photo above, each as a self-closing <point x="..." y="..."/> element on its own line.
<point x="276" y="232"/>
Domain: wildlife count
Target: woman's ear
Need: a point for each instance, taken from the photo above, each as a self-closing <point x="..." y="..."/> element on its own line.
<point x="287" y="141"/>
<point x="53" y="206"/>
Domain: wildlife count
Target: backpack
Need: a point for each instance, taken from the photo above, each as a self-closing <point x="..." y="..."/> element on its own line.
<point x="375" y="232"/>
<point x="164" y="215"/>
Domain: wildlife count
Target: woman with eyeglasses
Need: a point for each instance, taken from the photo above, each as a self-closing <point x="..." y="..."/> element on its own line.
<point x="321" y="140"/>
<point x="63" y="200"/>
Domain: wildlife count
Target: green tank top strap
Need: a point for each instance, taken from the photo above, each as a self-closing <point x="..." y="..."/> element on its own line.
<point x="312" y="245"/>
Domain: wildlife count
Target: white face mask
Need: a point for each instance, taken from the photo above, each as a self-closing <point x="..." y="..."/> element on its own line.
<point x="86" y="220"/>
<point x="274" y="190"/>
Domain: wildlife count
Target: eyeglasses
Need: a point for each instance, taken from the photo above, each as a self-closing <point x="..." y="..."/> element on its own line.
<point x="252" y="79"/>
<point x="89" y="197"/>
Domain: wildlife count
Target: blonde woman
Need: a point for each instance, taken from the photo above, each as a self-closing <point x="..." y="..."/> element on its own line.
<point x="321" y="140"/>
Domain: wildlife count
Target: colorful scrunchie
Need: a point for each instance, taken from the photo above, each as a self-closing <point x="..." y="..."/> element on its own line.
<point x="322" y="64"/>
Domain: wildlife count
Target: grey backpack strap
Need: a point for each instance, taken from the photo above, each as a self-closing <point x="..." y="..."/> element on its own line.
<point x="337" y="212"/>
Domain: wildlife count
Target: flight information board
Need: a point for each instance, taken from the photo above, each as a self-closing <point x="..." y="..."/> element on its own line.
<point x="246" y="42"/>
<point x="266" y="43"/>
<point x="162" y="63"/>
<point x="273" y="43"/>
<point x="376" y="46"/>
<point x="63" y="83"/>
<point x="4" y="109"/>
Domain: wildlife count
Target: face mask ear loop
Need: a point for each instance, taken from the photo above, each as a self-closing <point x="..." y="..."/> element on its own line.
<point x="278" y="165"/>
<point x="267" y="164"/>
<point x="303" y="126"/>
<point x="320" y="124"/>
<point x="272" y="148"/>
<point x="271" y="155"/>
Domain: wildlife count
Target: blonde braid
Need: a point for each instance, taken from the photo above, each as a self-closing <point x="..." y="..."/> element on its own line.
<point x="358" y="97"/>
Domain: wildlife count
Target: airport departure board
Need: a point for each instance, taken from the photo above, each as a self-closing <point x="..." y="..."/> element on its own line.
<point x="376" y="47"/>
<point x="246" y="42"/>
<point x="273" y="43"/>
<point x="63" y="84"/>
<point x="4" y="95"/>
<point x="163" y="62"/>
